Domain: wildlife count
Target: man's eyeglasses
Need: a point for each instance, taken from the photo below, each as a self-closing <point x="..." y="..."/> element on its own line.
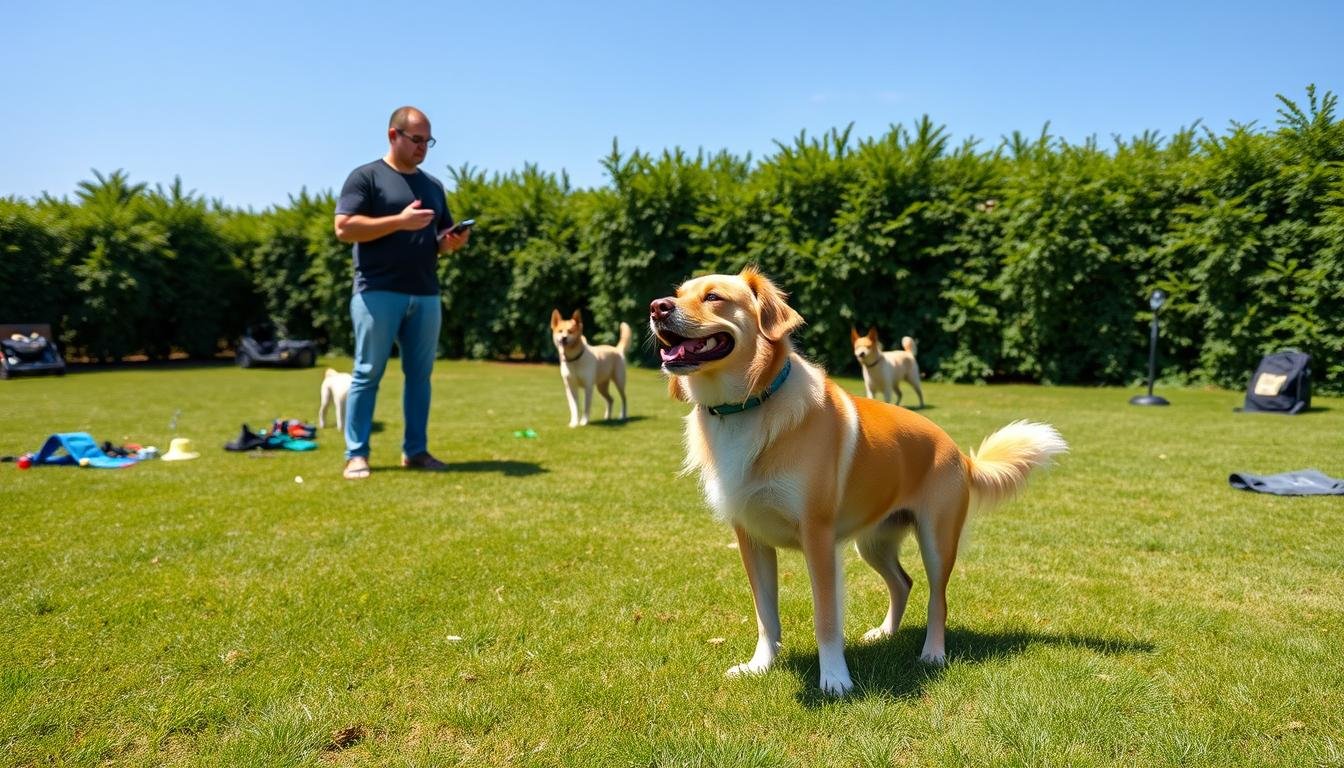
<point x="417" y="139"/>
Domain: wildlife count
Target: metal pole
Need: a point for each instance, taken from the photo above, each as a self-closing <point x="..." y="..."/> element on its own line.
<point x="1155" y="303"/>
<point x="1152" y="355"/>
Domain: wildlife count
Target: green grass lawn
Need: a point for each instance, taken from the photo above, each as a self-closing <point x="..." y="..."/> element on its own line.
<point x="568" y="600"/>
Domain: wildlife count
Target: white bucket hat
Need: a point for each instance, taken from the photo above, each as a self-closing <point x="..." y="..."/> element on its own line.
<point x="179" y="450"/>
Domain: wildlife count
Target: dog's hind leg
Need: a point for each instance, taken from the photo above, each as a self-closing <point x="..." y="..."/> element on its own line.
<point x="881" y="549"/>
<point x="762" y="568"/>
<point x="619" y="378"/>
<point x="914" y="382"/>
<point x="322" y="408"/>
<point x="603" y="389"/>
<point x="939" y="531"/>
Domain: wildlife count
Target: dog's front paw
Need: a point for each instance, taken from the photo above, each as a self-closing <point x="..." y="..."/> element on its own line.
<point x="934" y="659"/>
<point x="875" y="634"/>
<point x="766" y="651"/>
<point x="836" y="685"/>
<point x="747" y="669"/>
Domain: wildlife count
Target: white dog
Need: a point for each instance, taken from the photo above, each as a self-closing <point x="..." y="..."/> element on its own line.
<point x="883" y="371"/>
<point x="583" y="366"/>
<point x="335" y="388"/>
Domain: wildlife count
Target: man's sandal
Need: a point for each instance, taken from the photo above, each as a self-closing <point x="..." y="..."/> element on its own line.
<point x="356" y="468"/>
<point x="423" y="461"/>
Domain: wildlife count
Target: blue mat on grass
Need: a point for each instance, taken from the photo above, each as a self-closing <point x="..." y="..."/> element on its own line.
<point x="77" y="445"/>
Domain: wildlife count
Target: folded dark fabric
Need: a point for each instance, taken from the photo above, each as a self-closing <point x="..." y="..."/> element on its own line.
<point x="247" y="441"/>
<point x="116" y="451"/>
<point x="1303" y="482"/>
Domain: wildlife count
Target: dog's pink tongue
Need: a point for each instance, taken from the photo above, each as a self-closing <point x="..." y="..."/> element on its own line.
<point x="686" y="347"/>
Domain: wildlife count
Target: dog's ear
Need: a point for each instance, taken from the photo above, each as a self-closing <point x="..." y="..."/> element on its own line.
<point x="675" y="390"/>
<point x="577" y="317"/>
<point x="777" y="318"/>
<point x="555" y="318"/>
<point x="853" y="334"/>
<point x="872" y="334"/>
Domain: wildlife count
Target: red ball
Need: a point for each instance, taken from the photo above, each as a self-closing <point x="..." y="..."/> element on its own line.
<point x="25" y="462"/>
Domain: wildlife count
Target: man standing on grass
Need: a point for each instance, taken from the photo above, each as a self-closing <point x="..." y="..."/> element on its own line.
<point x="397" y="217"/>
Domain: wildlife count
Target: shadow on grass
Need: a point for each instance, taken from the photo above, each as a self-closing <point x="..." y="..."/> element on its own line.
<point x="616" y="423"/>
<point x="84" y="366"/>
<point x="1311" y="409"/>
<point x="506" y="468"/>
<point x="891" y="668"/>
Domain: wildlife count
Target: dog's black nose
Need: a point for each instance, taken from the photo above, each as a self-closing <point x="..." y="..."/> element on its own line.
<point x="659" y="309"/>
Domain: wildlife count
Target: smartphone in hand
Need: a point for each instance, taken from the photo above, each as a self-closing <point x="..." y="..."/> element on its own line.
<point x="459" y="227"/>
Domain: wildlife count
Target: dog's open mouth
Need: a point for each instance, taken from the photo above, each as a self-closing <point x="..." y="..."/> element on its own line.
<point x="680" y="351"/>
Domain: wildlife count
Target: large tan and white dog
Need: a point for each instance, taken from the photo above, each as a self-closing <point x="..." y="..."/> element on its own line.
<point x="583" y="366"/>
<point x="883" y="371"/>
<point x="335" y="390"/>
<point x="789" y="459"/>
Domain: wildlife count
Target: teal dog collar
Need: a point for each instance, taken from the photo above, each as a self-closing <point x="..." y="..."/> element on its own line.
<point x="754" y="400"/>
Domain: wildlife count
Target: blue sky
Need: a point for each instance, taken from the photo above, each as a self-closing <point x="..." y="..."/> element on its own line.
<point x="249" y="102"/>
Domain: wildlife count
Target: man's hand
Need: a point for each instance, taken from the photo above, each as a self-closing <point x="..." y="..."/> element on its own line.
<point x="414" y="218"/>
<point x="450" y="243"/>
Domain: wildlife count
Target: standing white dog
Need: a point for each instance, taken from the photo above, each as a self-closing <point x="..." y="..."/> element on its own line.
<point x="335" y="388"/>
<point x="582" y="366"/>
<point x="885" y="370"/>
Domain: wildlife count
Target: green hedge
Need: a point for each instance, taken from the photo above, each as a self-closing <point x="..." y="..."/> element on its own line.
<point x="1028" y="261"/>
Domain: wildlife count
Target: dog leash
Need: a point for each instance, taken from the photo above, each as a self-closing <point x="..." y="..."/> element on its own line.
<point x="754" y="400"/>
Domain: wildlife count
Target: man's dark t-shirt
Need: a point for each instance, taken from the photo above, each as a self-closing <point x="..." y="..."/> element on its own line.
<point x="405" y="262"/>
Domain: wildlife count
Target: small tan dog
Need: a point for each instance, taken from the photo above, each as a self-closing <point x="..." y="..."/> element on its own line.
<point x="789" y="459"/>
<point x="886" y="370"/>
<point x="583" y="366"/>
<point x="335" y="390"/>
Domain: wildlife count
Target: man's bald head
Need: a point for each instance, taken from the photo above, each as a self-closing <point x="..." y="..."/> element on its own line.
<point x="409" y="138"/>
<point x="405" y="116"/>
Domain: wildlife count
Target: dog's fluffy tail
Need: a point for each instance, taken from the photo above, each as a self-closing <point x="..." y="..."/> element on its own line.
<point x="999" y="469"/>
<point x="624" y="342"/>
<point x="908" y="344"/>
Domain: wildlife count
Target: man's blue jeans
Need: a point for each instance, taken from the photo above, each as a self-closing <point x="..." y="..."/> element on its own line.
<point x="380" y="318"/>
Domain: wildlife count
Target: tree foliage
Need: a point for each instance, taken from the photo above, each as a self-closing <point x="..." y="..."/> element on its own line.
<point x="1030" y="259"/>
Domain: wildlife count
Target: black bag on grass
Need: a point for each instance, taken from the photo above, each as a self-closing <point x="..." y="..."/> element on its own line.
<point x="1280" y="384"/>
<point x="28" y="350"/>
